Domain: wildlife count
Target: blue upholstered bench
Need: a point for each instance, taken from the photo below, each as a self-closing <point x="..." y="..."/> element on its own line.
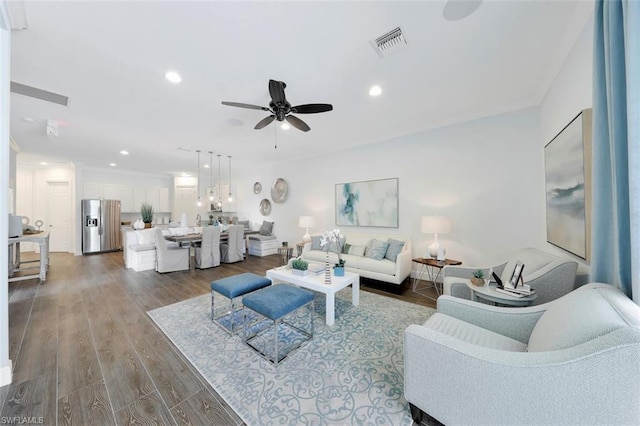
<point x="277" y="331"/>
<point x="233" y="288"/>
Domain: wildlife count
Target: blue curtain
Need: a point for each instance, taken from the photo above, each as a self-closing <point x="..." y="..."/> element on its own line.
<point x="615" y="226"/>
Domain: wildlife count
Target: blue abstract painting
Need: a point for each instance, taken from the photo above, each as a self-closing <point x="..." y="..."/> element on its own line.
<point x="367" y="203"/>
<point x="565" y="189"/>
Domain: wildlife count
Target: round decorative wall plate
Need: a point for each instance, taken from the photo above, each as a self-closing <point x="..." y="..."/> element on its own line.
<point x="257" y="188"/>
<point x="279" y="190"/>
<point x="265" y="207"/>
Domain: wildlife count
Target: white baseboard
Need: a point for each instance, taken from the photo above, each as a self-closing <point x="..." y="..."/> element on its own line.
<point x="5" y="375"/>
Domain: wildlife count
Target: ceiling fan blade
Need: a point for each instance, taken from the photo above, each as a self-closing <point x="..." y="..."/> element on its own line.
<point x="311" y="108"/>
<point x="297" y="123"/>
<point x="264" y="122"/>
<point x="241" y="105"/>
<point x="276" y="90"/>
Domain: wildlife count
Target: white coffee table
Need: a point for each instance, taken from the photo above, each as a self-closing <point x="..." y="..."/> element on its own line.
<point x="316" y="283"/>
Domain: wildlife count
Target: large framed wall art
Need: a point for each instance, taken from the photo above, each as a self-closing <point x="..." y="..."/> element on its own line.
<point x="568" y="187"/>
<point x="367" y="203"/>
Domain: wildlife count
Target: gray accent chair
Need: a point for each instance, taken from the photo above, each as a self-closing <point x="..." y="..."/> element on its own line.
<point x="232" y="251"/>
<point x="550" y="276"/>
<point x="207" y="253"/>
<point x="170" y="258"/>
<point x="575" y="360"/>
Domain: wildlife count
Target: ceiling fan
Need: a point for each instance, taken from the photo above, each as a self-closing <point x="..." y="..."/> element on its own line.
<point x="281" y="109"/>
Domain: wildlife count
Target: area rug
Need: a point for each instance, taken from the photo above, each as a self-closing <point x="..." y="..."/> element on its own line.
<point x="349" y="373"/>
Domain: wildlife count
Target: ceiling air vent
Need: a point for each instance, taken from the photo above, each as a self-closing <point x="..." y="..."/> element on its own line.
<point x="389" y="43"/>
<point x="43" y="95"/>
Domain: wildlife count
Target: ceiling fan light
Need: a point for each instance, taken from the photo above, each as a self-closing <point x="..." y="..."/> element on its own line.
<point x="285" y="126"/>
<point x="375" y="90"/>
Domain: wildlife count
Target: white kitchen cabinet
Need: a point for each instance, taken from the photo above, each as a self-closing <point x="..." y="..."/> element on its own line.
<point x="124" y="193"/>
<point x="163" y="199"/>
<point x="92" y="191"/>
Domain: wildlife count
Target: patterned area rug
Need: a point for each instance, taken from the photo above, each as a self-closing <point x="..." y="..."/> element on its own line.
<point x="350" y="373"/>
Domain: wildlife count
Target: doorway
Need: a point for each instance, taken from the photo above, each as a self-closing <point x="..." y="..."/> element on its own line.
<point x="58" y="216"/>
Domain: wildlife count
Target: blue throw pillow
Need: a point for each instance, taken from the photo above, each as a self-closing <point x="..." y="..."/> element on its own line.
<point x="378" y="250"/>
<point x="315" y="242"/>
<point x="394" y="249"/>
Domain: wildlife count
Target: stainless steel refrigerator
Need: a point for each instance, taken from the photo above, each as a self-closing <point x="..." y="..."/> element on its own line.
<point x="100" y="226"/>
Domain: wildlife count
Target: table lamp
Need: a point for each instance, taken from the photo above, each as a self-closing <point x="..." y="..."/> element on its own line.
<point x="436" y="225"/>
<point x="306" y="222"/>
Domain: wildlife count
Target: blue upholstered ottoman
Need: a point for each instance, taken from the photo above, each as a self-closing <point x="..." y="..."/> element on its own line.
<point x="230" y="317"/>
<point x="282" y="325"/>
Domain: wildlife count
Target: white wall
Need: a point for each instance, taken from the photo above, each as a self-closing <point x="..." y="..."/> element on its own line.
<point x="486" y="175"/>
<point x="570" y="93"/>
<point x="5" y="60"/>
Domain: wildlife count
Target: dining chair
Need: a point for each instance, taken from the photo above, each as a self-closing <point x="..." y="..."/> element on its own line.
<point x="207" y="253"/>
<point x="232" y="250"/>
<point x="170" y="258"/>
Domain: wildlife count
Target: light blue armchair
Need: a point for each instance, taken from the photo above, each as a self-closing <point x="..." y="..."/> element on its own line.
<point x="550" y="276"/>
<point x="575" y="360"/>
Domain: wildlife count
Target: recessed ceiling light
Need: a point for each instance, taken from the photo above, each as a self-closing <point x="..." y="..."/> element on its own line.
<point x="112" y="164"/>
<point x="285" y="126"/>
<point x="206" y="166"/>
<point x="124" y="152"/>
<point x="43" y="163"/>
<point x="375" y="90"/>
<point x="173" y="77"/>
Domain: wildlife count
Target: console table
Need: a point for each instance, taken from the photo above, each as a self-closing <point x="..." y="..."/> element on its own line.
<point x="42" y="239"/>
<point x="426" y="266"/>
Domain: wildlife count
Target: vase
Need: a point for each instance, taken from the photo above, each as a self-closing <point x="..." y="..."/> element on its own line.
<point x="327" y="270"/>
<point x="338" y="271"/>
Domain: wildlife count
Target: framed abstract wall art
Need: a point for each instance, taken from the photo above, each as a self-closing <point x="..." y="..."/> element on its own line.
<point x="367" y="203"/>
<point x="568" y="187"/>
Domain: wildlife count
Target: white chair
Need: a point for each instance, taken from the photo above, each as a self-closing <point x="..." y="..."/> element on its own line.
<point x="207" y="253"/>
<point x="232" y="251"/>
<point x="550" y="276"/>
<point x="170" y="258"/>
<point x="572" y="361"/>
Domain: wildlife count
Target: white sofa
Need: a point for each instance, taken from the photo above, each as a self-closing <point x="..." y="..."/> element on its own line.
<point x="575" y="360"/>
<point x="390" y="271"/>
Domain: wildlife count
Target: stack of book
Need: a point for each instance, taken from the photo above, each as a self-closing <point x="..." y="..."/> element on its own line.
<point x="519" y="291"/>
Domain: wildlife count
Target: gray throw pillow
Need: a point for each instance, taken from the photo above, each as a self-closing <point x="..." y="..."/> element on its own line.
<point x="394" y="249"/>
<point x="266" y="228"/>
<point x="378" y="249"/>
<point x="315" y="242"/>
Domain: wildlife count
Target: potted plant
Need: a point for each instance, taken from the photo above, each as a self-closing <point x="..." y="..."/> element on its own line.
<point x="334" y="240"/>
<point x="478" y="277"/>
<point x="299" y="266"/>
<point x="146" y="210"/>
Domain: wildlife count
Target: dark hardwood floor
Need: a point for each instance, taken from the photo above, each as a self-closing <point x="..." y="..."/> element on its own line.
<point x="85" y="352"/>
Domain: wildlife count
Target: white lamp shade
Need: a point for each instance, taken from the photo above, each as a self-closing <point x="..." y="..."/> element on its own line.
<point x="435" y="225"/>
<point x="306" y="222"/>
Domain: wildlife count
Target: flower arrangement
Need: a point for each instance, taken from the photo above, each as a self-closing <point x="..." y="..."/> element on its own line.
<point x="333" y="239"/>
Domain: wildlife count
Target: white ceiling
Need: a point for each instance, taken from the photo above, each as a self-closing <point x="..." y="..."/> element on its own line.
<point x="110" y="59"/>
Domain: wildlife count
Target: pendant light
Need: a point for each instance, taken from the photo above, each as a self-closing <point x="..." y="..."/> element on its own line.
<point x="219" y="203"/>
<point x="211" y="195"/>
<point x="230" y="194"/>
<point x="199" y="199"/>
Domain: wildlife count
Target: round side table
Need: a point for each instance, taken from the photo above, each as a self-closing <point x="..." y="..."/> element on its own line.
<point x="285" y="254"/>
